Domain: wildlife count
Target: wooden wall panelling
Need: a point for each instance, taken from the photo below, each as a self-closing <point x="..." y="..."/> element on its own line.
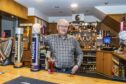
<point x="107" y="28"/>
<point x="104" y="63"/>
<point x="31" y="19"/>
<point x="107" y="64"/>
<point x="117" y="17"/>
<point x="115" y="25"/>
<point x="99" y="62"/>
<point x="14" y="8"/>
<point x="52" y="28"/>
<point x="27" y="58"/>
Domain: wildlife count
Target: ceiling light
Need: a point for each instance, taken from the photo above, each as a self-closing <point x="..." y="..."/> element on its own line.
<point x="74" y="5"/>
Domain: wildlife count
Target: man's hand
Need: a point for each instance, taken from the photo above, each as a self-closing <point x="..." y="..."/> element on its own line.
<point x="74" y="69"/>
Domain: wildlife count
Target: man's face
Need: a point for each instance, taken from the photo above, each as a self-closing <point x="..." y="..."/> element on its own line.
<point x="62" y="29"/>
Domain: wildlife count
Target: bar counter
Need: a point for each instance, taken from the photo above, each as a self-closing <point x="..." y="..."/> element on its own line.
<point x="60" y="78"/>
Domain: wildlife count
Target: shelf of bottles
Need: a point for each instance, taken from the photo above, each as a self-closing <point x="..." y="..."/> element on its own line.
<point x="89" y="61"/>
<point x="119" y="69"/>
<point x="86" y="34"/>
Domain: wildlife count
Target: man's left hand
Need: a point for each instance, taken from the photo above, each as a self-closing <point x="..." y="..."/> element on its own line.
<point x="74" y="69"/>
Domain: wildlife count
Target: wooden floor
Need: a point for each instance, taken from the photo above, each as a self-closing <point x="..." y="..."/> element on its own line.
<point x="11" y="73"/>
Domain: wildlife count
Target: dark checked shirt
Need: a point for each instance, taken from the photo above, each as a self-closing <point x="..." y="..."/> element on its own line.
<point x="64" y="50"/>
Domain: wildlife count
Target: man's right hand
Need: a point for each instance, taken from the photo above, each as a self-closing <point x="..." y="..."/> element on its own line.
<point x="74" y="69"/>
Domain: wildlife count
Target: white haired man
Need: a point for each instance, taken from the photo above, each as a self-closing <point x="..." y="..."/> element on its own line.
<point x="65" y="49"/>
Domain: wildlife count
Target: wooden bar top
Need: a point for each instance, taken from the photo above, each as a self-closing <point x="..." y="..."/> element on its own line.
<point x="60" y="78"/>
<point x="114" y="54"/>
<point x="120" y="56"/>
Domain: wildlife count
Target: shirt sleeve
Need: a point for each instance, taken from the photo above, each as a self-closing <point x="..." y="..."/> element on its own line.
<point x="78" y="53"/>
<point x="46" y="40"/>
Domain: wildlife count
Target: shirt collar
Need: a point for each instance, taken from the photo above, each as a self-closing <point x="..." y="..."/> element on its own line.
<point x="63" y="37"/>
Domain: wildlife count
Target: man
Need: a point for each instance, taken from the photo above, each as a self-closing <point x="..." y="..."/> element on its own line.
<point x="64" y="49"/>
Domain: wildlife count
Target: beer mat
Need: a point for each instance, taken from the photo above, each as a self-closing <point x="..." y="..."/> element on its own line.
<point x="26" y="80"/>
